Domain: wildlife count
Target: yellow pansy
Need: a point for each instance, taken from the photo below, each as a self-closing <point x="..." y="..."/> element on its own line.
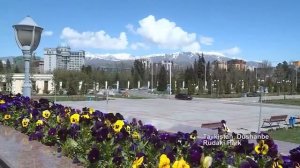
<point x="7" y="116"/>
<point x="67" y="111"/>
<point x="128" y="129"/>
<point x="277" y="163"/>
<point x="74" y="119"/>
<point x="207" y="161"/>
<point x="2" y="101"/>
<point x="58" y="119"/>
<point x="39" y="123"/>
<point x="91" y="110"/>
<point x="136" y="135"/>
<point x="86" y="116"/>
<point x="25" y="122"/>
<point x="180" y="164"/>
<point x="107" y="123"/>
<point x="118" y="125"/>
<point x="261" y="148"/>
<point x="138" y="162"/>
<point x="46" y="114"/>
<point x="164" y="161"/>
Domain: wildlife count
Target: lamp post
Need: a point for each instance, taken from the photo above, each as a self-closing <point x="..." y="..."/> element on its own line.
<point x="151" y="76"/>
<point x="278" y="85"/>
<point x="170" y="64"/>
<point x="260" y="105"/>
<point x="27" y="35"/>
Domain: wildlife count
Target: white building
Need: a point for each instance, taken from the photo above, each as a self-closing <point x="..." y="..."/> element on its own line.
<point x="41" y="83"/>
<point x="63" y="58"/>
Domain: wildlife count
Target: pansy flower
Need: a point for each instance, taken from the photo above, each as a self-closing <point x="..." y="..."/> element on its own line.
<point x="74" y="119"/>
<point x="94" y="155"/>
<point x="128" y="129"/>
<point x="118" y="125"/>
<point x="180" y="164"/>
<point x="7" y="116"/>
<point x="39" y="123"/>
<point x="261" y="148"/>
<point x="193" y="135"/>
<point x="91" y="110"/>
<point x="206" y="162"/>
<point x="138" y="162"/>
<point x="277" y="163"/>
<point x="25" y="122"/>
<point x="2" y="101"/>
<point x="164" y="161"/>
<point x="85" y="116"/>
<point x="46" y="114"/>
<point x="52" y="131"/>
<point x="135" y="135"/>
<point x="58" y="119"/>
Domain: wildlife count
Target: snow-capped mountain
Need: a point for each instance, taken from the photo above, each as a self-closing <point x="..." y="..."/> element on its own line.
<point x="180" y="58"/>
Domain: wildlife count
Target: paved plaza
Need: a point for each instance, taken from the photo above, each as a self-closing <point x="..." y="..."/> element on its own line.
<point x="241" y="114"/>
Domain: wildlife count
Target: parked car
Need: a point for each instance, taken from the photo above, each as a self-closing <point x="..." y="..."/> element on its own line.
<point x="253" y="94"/>
<point x="182" y="96"/>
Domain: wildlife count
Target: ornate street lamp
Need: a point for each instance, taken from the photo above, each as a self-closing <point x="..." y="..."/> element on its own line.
<point x="27" y="35"/>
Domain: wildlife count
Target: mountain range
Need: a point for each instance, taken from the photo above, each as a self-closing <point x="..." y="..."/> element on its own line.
<point x="183" y="59"/>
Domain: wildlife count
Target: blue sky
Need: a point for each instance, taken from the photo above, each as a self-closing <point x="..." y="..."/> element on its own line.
<point x="247" y="29"/>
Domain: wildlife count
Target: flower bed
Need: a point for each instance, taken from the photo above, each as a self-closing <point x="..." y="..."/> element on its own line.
<point x="96" y="139"/>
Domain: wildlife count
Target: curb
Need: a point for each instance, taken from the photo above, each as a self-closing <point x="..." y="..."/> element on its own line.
<point x="3" y="164"/>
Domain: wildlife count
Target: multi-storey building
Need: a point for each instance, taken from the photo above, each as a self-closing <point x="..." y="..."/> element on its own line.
<point x="63" y="58"/>
<point x="296" y="64"/>
<point x="219" y="64"/>
<point x="237" y="64"/>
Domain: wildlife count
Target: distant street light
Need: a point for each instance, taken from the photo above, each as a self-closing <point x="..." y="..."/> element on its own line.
<point x="151" y="76"/>
<point x="170" y="84"/>
<point x="27" y="35"/>
<point x="260" y="106"/>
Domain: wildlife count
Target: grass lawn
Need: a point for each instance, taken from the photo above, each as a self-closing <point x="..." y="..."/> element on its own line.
<point x="286" y="101"/>
<point x="287" y="135"/>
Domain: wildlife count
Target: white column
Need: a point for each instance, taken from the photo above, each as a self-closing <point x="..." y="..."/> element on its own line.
<point x="80" y="85"/>
<point x="105" y="84"/>
<point x="128" y="84"/>
<point x="175" y="85"/>
<point x="148" y="84"/>
<point x="60" y="85"/>
<point x="97" y="86"/>
<point x="139" y="84"/>
<point x="117" y="85"/>
<point x="170" y="78"/>
<point x="183" y="84"/>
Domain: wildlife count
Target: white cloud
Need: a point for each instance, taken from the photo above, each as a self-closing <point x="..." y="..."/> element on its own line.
<point x="130" y="28"/>
<point x="167" y="35"/>
<point x="138" y="45"/>
<point x="99" y="39"/>
<point x="206" y="40"/>
<point x="232" y="51"/>
<point x="47" y="33"/>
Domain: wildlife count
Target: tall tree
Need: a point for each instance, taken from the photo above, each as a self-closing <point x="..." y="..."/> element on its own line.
<point x="17" y="70"/>
<point x="8" y="65"/>
<point x="162" y="79"/>
<point x="138" y="71"/>
<point x="201" y="72"/>
<point x="208" y="77"/>
<point x="1" y="67"/>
